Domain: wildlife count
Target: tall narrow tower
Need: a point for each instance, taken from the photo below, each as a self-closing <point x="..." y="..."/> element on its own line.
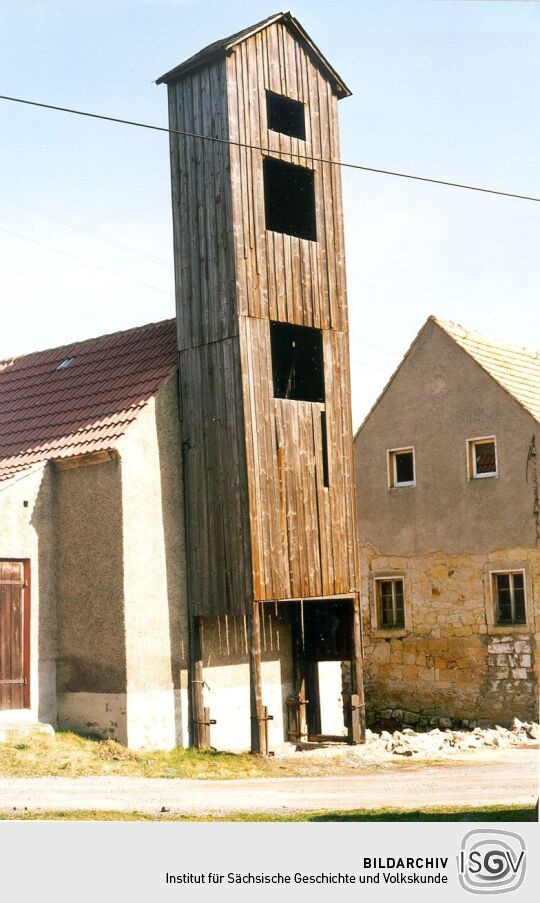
<point x="264" y="359"/>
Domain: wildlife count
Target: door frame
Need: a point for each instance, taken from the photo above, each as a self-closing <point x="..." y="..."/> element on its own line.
<point x="25" y="627"/>
<point x="304" y="704"/>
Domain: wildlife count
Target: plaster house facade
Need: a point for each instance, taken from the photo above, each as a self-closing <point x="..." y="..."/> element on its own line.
<point x="448" y="508"/>
<point x="92" y="561"/>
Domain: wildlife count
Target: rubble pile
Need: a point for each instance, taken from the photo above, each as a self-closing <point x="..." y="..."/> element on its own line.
<point x="408" y="742"/>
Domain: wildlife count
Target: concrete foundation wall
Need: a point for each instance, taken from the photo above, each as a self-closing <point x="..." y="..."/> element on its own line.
<point x="451" y="661"/>
<point x="101" y="714"/>
<point x="27" y="531"/>
<point x="140" y="720"/>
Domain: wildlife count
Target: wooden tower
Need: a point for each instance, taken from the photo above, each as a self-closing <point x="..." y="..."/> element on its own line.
<point x="263" y="350"/>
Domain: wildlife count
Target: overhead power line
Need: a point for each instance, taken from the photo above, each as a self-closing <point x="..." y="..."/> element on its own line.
<point x="90" y="263"/>
<point x="242" y="144"/>
<point x="98" y="236"/>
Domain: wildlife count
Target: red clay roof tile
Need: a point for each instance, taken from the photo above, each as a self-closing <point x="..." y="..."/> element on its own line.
<point x="46" y="413"/>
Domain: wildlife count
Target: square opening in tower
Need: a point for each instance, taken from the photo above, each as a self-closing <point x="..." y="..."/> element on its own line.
<point x="297" y="362"/>
<point x="289" y="199"/>
<point x="285" y="115"/>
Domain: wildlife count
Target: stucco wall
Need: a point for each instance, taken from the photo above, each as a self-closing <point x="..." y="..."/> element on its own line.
<point x="155" y="596"/>
<point x="450" y="661"/>
<point x="90" y="581"/>
<point x="122" y="597"/>
<point x="27" y="532"/>
<point x="438" y="399"/>
<point x="90" y="576"/>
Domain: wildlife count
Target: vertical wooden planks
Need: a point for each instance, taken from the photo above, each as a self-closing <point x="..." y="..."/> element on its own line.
<point x="281" y="276"/>
<point x="14" y="636"/>
<point x="202" y="205"/>
<point x="213" y="434"/>
<point x="254" y="460"/>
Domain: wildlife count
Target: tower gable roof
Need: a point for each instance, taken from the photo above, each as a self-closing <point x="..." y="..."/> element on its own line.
<point x="225" y="46"/>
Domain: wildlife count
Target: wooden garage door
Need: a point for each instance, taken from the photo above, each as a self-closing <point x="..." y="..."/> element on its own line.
<point x="14" y="622"/>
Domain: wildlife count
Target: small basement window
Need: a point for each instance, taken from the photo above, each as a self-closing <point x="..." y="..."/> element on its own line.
<point x="390" y="608"/>
<point x="285" y="115"/>
<point x="297" y="362"/>
<point x="482" y="457"/>
<point x="289" y="199"/>
<point x="509" y="597"/>
<point x="401" y="469"/>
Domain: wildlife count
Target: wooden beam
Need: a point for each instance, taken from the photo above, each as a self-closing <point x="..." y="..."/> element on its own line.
<point x="299" y="671"/>
<point x="86" y="460"/>
<point x="259" y="736"/>
<point x="358" y="719"/>
<point x="199" y="728"/>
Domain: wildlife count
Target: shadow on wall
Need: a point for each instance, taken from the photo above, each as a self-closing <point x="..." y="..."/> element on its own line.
<point x="43" y="603"/>
<point x="91" y="665"/>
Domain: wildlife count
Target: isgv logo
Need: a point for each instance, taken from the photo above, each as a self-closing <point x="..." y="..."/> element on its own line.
<point x="491" y="862"/>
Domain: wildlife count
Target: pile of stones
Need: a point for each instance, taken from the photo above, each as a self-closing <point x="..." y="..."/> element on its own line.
<point x="409" y="742"/>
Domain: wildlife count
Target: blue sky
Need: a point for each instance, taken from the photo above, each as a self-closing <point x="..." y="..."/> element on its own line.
<point x="444" y="88"/>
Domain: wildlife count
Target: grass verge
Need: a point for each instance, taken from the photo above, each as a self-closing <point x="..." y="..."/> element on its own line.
<point x="485" y="813"/>
<point x="71" y="755"/>
<point x="68" y="754"/>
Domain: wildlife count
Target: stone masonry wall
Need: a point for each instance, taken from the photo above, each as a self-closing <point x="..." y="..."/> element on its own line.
<point x="450" y="665"/>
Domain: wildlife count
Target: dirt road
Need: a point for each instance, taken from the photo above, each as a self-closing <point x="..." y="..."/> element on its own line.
<point x="511" y="778"/>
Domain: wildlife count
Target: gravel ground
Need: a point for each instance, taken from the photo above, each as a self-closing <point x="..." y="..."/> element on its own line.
<point x="491" y="777"/>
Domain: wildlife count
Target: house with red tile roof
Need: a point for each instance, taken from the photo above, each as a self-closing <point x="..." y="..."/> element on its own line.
<point x="91" y="538"/>
<point x="449" y="526"/>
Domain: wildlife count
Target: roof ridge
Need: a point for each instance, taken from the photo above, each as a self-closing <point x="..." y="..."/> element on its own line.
<point x="515" y="369"/>
<point x="106" y="335"/>
<point x="517" y="381"/>
<point x="450" y="326"/>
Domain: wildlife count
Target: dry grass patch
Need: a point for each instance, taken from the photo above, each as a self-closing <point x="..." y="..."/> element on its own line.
<point x="71" y="755"/>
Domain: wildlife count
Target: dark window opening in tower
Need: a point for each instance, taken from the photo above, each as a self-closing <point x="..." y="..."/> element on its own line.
<point x="297" y="362"/>
<point x="289" y="199"/>
<point x="285" y="115"/>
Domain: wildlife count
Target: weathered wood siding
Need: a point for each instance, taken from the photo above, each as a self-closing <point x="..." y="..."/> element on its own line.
<point x="303" y="534"/>
<point x="279" y="276"/>
<point x="14" y="639"/>
<point x="217" y="516"/>
<point x="213" y="439"/>
<point x="202" y="211"/>
<point x="260" y="523"/>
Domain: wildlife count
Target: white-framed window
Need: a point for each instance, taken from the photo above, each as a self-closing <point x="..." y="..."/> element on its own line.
<point x="389" y="598"/>
<point x="482" y="457"/>
<point x="508" y="594"/>
<point x="401" y="467"/>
